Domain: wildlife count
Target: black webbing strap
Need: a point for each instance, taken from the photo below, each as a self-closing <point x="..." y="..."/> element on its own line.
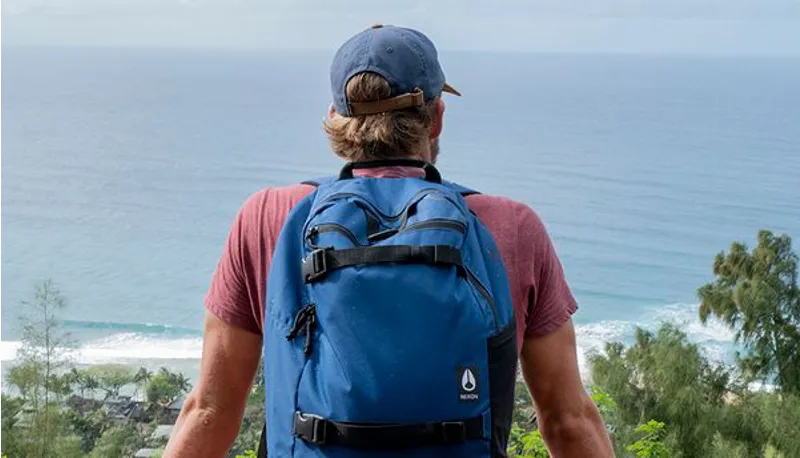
<point x="324" y="260"/>
<point x="370" y="436"/>
<point x="262" y="444"/>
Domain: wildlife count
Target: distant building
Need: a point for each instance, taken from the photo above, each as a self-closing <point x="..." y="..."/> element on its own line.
<point x="162" y="433"/>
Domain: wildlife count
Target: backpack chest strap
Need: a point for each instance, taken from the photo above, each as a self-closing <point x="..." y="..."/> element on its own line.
<point x="320" y="262"/>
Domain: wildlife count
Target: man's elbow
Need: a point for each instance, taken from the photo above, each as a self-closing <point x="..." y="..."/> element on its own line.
<point x="577" y="429"/>
<point x="207" y="417"/>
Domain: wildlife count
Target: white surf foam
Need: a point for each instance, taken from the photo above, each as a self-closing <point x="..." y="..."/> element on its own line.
<point x="714" y="338"/>
<point x="8" y="350"/>
<point x="123" y="347"/>
<point x="592" y="338"/>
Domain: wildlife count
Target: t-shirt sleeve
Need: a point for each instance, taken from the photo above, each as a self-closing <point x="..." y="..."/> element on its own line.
<point x="550" y="302"/>
<point x="231" y="294"/>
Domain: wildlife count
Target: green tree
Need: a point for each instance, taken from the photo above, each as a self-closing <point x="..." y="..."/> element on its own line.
<point x="88" y="426"/>
<point x="664" y="376"/>
<point x="111" y="378"/>
<point x="651" y="441"/>
<point x="10" y="439"/>
<point x="38" y="374"/>
<point x="82" y="381"/>
<point x="67" y="446"/>
<point x="254" y="415"/>
<point x="780" y="415"/>
<point x="165" y="387"/>
<point x="728" y="448"/>
<point x="524" y="443"/>
<point x="27" y="378"/>
<point x="121" y="440"/>
<point x="756" y="295"/>
<point x="141" y="379"/>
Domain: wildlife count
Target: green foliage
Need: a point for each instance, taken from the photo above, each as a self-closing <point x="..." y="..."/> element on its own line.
<point x="651" y="442"/>
<point x="729" y="448"/>
<point x="165" y="387"/>
<point x="141" y="379"/>
<point x="253" y="419"/>
<point x="42" y="358"/>
<point x="780" y="415"/>
<point x="247" y="454"/>
<point x="664" y="376"/>
<point x="121" y="440"/>
<point x="524" y="413"/>
<point x="526" y="443"/>
<point x="28" y="436"/>
<point x="756" y="294"/>
<point x="111" y="377"/>
<point x="605" y="403"/>
<point x="88" y="426"/>
<point x="84" y="381"/>
<point x="10" y="408"/>
<point x="67" y="446"/>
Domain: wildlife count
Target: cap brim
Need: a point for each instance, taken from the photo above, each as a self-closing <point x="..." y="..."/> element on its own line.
<point x="450" y="89"/>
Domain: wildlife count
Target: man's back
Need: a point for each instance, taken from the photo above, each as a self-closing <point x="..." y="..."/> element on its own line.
<point x="541" y="296"/>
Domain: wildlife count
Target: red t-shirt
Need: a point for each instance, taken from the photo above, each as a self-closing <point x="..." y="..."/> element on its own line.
<point x="542" y="298"/>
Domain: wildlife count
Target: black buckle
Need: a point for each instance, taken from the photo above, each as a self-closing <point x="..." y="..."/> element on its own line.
<point x="453" y="432"/>
<point x="315" y="265"/>
<point x="310" y="428"/>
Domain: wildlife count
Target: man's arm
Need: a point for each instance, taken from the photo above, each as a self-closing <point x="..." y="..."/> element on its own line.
<point x="212" y="414"/>
<point x="568" y="418"/>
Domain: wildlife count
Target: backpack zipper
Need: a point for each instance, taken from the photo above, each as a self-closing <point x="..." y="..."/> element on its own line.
<point x="332" y="227"/>
<point x="305" y="320"/>
<point x="414" y="198"/>
<point x="435" y="223"/>
<point x="485" y="293"/>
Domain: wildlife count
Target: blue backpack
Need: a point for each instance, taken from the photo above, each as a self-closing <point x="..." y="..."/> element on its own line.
<point x="389" y="327"/>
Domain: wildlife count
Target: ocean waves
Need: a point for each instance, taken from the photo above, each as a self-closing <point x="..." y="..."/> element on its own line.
<point x="715" y="340"/>
<point x="128" y="343"/>
<point x="124" y="348"/>
<point x="144" y="328"/>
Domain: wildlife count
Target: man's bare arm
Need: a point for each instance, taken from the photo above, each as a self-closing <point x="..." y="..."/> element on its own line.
<point x="568" y="418"/>
<point x="212" y="414"/>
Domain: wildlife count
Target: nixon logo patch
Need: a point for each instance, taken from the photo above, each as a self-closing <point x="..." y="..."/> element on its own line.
<point x="468" y="384"/>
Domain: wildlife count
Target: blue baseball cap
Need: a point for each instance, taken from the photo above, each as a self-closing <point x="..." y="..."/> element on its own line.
<point x="406" y="58"/>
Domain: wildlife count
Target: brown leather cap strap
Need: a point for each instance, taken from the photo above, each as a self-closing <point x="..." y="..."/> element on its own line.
<point x="412" y="99"/>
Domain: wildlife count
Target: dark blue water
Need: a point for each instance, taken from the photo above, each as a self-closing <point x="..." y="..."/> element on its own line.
<point x="122" y="170"/>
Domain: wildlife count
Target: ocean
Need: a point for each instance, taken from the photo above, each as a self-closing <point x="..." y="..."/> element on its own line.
<point x="122" y="170"/>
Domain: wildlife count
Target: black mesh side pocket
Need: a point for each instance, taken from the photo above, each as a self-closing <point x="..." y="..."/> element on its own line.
<point x="502" y="382"/>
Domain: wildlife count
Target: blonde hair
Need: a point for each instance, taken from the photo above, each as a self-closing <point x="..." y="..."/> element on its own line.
<point x="390" y="135"/>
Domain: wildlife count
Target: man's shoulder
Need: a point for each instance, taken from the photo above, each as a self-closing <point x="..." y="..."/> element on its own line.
<point x="492" y="207"/>
<point x="269" y="206"/>
<point x="274" y="197"/>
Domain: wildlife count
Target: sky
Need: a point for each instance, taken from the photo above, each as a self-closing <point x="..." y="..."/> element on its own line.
<point x="584" y="26"/>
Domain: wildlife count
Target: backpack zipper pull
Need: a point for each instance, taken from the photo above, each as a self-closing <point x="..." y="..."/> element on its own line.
<point x="311" y="320"/>
<point x="299" y="322"/>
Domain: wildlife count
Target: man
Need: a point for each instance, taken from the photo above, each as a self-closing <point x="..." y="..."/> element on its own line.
<point x="386" y="84"/>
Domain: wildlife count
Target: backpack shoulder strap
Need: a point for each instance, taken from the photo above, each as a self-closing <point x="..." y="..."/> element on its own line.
<point x="463" y="190"/>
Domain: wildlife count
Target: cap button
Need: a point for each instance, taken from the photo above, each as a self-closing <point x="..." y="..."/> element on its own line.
<point x="377" y="26"/>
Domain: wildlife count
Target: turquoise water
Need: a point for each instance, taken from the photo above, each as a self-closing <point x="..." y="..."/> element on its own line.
<point x="122" y="170"/>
